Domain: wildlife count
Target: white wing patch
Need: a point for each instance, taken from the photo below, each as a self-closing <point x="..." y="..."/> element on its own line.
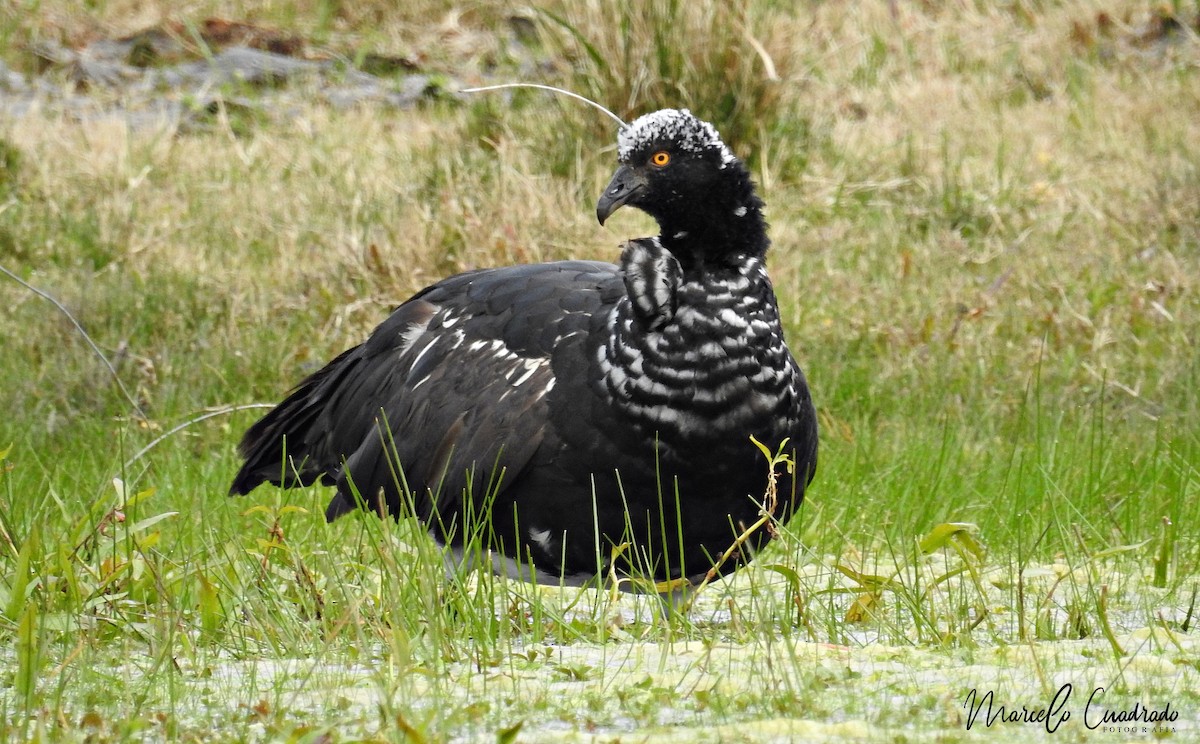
<point x="529" y="365"/>
<point x="541" y="538"/>
<point x="428" y="346"/>
<point x="411" y="334"/>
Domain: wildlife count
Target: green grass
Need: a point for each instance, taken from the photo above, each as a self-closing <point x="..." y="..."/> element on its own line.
<point x="986" y="229"/>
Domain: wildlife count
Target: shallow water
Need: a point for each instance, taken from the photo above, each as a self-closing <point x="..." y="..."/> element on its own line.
<point x="768" y="683"/>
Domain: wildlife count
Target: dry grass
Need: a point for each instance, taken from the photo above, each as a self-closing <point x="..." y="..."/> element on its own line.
<point x="959" y="199"/>
<point x="986" y="224"/>
<point x="961" y="202"/>
<point x="437" y="34"/>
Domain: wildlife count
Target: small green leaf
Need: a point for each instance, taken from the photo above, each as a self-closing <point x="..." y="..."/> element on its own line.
<point x="150" y="522"/>
<point x="786" y="572"/>
<point x="867" y="581"/>
<point x="1162" y="557"/>
<point x="139" y="497"/>
<point x="66" y="570"/>
<point x="210" y="605"/>
<point x="863" y="607"/>
<point x="20" y="576"/>
<point x="761" y="448"/>
<point x="617" y="551"/>
<point x="509" y="735"/>
<point x="149" y="541"/>
<point x="575" y="671"/>
<point x="941" y="536"/>
<point x="1118" y="549"/>
<point x="971" y="544"/>
<point x="28" y="655"/>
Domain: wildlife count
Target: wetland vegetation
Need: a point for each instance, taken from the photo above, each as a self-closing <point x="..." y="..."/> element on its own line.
<point x="986" y="245"/>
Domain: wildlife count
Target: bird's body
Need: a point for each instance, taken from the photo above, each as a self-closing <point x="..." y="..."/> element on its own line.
<point x="556" y="411"/>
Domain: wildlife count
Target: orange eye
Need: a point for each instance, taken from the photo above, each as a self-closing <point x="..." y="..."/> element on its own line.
<point x="660" y="158"/>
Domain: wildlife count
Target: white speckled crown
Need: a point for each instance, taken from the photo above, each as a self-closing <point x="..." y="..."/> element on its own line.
<point x="680" y="125"/>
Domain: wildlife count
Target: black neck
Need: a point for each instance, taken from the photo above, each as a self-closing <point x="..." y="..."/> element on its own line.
<point x="728" y="230"/>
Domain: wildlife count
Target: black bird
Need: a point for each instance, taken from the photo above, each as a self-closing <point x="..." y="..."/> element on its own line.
<point x="560" y="410"/>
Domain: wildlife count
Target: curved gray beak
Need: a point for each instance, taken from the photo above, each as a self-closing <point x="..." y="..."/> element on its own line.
<point x="625" y="184"/>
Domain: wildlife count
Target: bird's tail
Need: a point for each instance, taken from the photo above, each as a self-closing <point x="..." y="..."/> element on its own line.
<point x="280" y="448"/>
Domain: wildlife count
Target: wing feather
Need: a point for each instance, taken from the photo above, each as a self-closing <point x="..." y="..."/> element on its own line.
<point x="446" y="397"/>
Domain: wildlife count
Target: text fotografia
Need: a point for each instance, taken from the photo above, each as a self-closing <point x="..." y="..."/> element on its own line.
<point x="984" y="709"/>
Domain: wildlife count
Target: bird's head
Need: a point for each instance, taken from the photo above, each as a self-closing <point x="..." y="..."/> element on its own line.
<point x="674" y="167"/>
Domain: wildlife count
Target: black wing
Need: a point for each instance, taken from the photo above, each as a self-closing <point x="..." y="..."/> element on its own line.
<point x="448" y="393"/>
